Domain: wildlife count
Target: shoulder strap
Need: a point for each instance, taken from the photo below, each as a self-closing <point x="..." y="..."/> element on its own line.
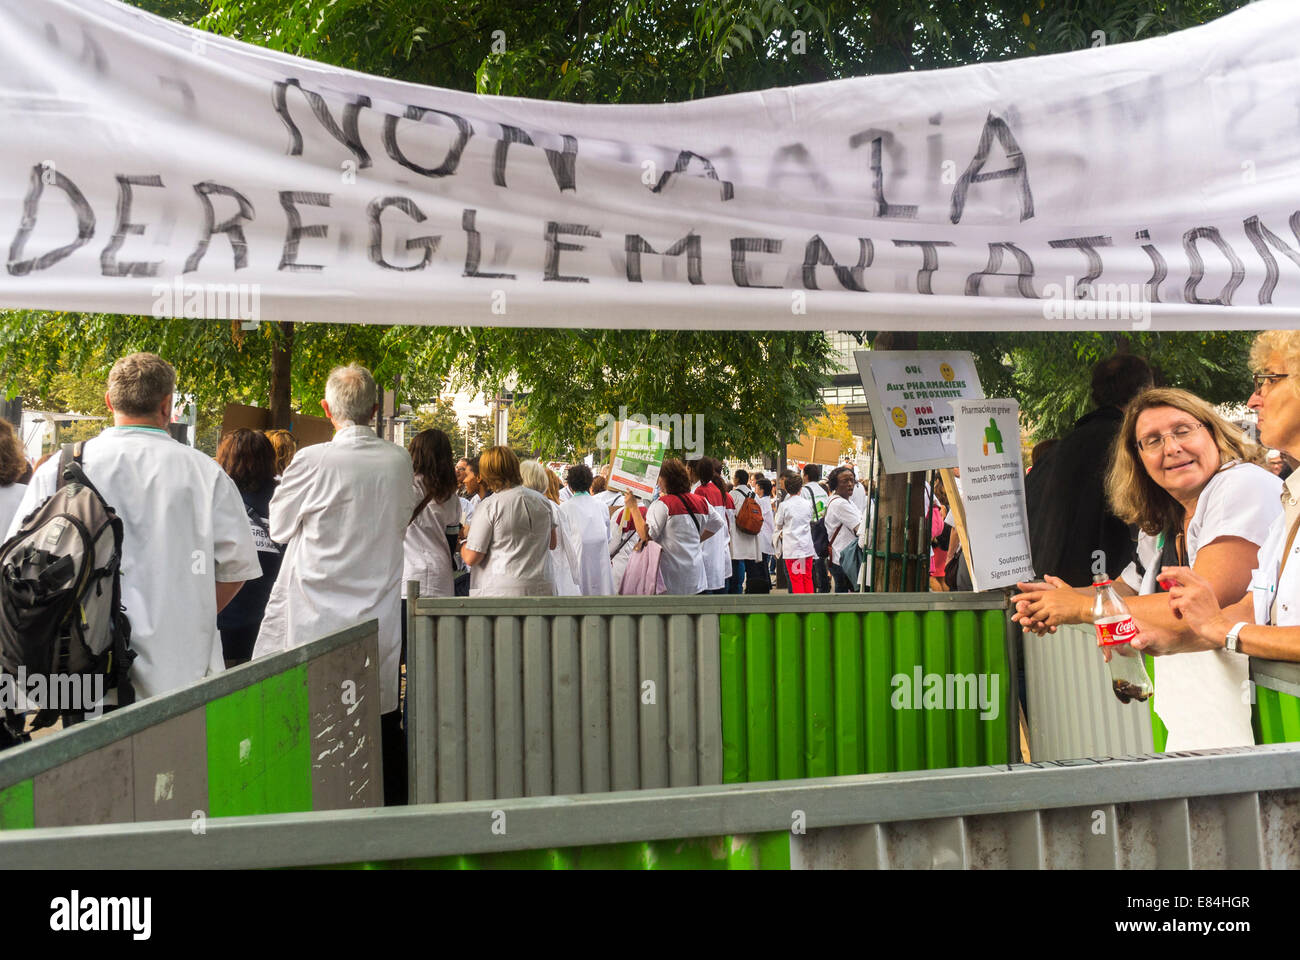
<point x="687" y="504"/>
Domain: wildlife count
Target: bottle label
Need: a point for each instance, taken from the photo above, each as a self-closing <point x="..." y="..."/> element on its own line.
<point x="1111" y="633"/>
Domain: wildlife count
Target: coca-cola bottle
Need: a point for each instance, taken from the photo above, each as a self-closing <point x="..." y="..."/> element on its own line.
<point x="1116" y="630"/>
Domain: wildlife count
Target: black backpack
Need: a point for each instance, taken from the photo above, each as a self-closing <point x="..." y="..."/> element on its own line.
<point x="821" y="542"/>
<point x="60" y="595"/>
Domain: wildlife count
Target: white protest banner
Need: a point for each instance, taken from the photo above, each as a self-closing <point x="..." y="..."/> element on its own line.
<point x="993" y="492"/>
<point x="148" y="168"/>
<point x="911" y="395"/>
<point x="637" y="458"/>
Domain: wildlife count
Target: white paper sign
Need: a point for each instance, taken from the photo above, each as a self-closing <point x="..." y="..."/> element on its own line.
<point x="148" y="168"/>
<point x="993" y="492"/>
<point x="911" y="395"/>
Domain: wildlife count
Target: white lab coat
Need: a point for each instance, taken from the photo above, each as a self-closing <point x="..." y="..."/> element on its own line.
<point x="563" y="560"/>
<point x="765" y="535"/>
<point x="586" y="526"/>
<point x="341" y="511"/>
<point x="184" y="530"/>
<point x="427" y="555"/>
<point x="744" y="546"/>
<point x="717" y="549"/>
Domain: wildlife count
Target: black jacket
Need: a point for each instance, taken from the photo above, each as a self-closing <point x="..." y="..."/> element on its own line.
<point x="1069" y="517"/>
<point x="249" y="603"/>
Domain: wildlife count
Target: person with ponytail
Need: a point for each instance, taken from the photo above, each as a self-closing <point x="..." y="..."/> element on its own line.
<point x="426" y="550"/>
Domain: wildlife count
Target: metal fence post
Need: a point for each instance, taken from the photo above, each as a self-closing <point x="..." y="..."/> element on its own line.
<point x="421" y="713"/>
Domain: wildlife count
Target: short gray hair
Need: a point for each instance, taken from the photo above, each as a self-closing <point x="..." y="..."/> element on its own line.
<point x="350" y="392"/>
<point x="534" y="475"/>
<point x="139" y="382"/>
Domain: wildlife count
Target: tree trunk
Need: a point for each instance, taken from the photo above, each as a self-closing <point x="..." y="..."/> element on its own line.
<point x="281" y="377"/>
<point x="907" y="534"/>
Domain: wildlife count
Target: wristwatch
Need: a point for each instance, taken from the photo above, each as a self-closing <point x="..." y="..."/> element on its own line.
<point x="1230" y="642"/>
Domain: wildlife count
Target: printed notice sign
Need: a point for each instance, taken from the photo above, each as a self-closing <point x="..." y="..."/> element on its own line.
<point x="993" y="492"/>
<point x="911" y="395"/>
<point x="638" y="454"/>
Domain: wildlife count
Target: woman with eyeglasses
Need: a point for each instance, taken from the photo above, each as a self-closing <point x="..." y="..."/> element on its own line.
<point x="1266" y="622"/>
<point x="1193" y="486"/>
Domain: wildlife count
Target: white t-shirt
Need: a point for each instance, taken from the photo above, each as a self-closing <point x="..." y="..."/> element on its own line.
<point x="794" y="525"/>
<point x="842" y="521"/>
<point x="513" y="528"/>
<point x="184" y="530"/>
<point x="682" y="561"/>
<point x="10" y="497"/>
<point x="426" y="554"/>
<point x="1199" y="695"/>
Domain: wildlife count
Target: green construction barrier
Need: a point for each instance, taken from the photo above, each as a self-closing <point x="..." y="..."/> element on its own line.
<point x="832" y="694"/>
<point x="238" y="743"/>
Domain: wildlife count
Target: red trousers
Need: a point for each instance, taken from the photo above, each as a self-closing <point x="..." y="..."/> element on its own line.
<point x="800" y="571"/>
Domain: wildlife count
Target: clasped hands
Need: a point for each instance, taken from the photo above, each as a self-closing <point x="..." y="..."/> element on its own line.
<point x="1043" y="606"/>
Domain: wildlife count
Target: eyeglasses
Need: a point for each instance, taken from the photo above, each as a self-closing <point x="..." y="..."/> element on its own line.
<point x="1180" y="434"/>
<point x="1267" y="378"/>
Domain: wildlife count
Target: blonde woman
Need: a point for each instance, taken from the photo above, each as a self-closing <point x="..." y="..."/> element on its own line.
<point x="512" y="532"/>
<point x="1193" y="486"/>
<point x="1266" y="622"/>
<point x="559" y="562"/>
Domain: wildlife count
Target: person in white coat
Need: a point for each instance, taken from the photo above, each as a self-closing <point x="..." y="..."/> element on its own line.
<point x="717" y="553"/>
<point x="843" y="524"/>
<point x="746" y="555"/>
<point x="586" y="525"/>
<point x="794" y="530"/>
<point x="765" y="537"/>
<point x="342" y="510"/>
<point x="427" y="553"/>
<point x="1265" y="622"/>
<point x="187" y="547"/>
<point x="561" y="561"/>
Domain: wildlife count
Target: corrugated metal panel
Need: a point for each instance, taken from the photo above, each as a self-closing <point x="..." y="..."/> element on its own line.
<point x="565" y="703"/>
<point x="817" y="694"/>
<point x="1072" y="711"/>
<point x="1228" y="808"/>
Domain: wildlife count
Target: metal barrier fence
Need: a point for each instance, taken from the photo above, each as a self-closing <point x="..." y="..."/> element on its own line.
<point x="1216" y="808"/>
<point x="295" y="731"/>
<point x="1072" y="711"/>
<point x="536" y="696"/>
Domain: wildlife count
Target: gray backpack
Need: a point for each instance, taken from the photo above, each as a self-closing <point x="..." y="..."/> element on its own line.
<point x="61" y="608"/>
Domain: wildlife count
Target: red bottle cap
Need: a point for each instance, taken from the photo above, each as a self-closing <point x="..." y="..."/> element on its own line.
<point x="1101" y="583"/>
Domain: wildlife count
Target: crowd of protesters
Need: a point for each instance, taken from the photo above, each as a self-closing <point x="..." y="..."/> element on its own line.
<point x="266" y="547"/>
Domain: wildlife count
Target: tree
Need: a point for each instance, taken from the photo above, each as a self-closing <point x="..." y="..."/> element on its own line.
<point x="1051" y="374"/>
<point x="833" y="424"/>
